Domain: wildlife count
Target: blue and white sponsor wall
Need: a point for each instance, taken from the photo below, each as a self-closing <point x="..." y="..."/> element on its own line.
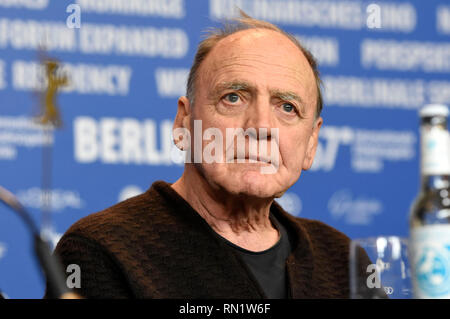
<point x="128" y="62"/>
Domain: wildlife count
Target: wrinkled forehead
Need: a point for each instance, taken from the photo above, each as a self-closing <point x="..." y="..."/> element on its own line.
<point x="259" y="48"/>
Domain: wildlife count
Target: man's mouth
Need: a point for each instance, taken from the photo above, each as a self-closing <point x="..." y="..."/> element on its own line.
<point x="252" y="159"/>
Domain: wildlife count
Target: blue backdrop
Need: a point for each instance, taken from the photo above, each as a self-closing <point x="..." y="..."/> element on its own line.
<point x="128" y="62"/>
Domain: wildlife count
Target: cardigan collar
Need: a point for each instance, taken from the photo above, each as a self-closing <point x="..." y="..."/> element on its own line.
<point x="299" y="264"/>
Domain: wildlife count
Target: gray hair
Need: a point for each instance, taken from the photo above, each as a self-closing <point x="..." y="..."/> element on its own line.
<point x="245" y="22"/>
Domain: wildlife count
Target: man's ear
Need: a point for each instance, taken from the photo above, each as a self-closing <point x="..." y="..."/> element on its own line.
<point x="312" y="144"/>
<point x="182" y="120"/>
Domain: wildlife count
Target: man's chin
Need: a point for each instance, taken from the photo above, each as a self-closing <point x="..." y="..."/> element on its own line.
<point x="243" y="179"/>
<point x="252" y="183"/>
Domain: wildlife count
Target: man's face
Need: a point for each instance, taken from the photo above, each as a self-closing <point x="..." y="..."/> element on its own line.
<point x="257" y="79"/>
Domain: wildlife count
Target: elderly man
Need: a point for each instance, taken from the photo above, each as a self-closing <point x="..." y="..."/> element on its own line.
<point x="217" y="232"/>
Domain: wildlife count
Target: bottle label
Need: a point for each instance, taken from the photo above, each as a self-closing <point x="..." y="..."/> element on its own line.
<point x="435" y="151"/>
<point x="430" y="261"/>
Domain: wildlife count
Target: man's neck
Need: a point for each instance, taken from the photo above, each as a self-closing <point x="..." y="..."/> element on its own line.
<point x="241" y="220"/>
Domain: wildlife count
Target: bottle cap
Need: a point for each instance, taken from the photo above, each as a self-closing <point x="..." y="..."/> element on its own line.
<point x="431" y="110"/>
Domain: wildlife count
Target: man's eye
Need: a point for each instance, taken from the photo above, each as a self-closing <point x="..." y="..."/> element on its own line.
<point x="232" y="97"/>
<point x="288" y="107"/>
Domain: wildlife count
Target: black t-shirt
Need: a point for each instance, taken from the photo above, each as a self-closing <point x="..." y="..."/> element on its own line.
<point x="269" y="266"/>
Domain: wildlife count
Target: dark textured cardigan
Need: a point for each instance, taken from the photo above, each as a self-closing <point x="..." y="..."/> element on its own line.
<point x="156" y="245"/>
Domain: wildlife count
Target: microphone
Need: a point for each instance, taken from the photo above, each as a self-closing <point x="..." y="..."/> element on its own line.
<point x="49" y="263"/>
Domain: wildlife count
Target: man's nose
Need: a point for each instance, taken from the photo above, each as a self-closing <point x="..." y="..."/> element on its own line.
<point x="260" y="117"/>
